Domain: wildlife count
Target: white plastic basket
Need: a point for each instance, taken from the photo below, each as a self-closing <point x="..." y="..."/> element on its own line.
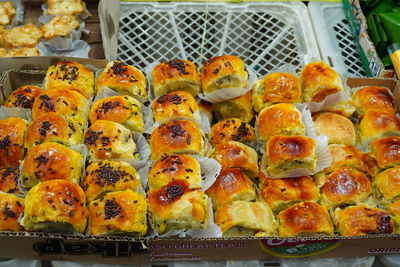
<point x="265" y="35"/>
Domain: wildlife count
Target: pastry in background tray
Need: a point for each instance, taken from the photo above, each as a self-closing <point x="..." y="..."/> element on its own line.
<point x="56" y="205"/>
<point x="109" y="176"/>
<point x="305" y="219"/>
<point x="109" y="140"/>
<point x="60" y="26"/>
<point x="124" y="79"/>
<point x="338" y="129"/>
<point x="19" y="52"/>
<point x="181" y="136"/>
<point x="125" y="110"/>
<point x="71" y="104"/>
<point x="9" y="180"/>
<point x="387" y="184"/>
<point x="244" y="218"/>
<point x="49" y="161"/>
<point x="175" y="106"/>
<point x="11" y="208"/>
<point x="23" y="97"/>
<point x="345" y="108"/>
<point x="206" y="107"/>
<point x="232" y="130"/>
<point x="172" y="167"/>
<point x="119" y="213"/>
<point x="175" y="206"/>
<point x="374" y="98"/>
<point x="376" y="124"/>
<point x="239" y="107"/>
<point x="27" y="35"/>
<point x="12" y="132"/>
<point x="221" y="72"/>
<point x="394" y="211"/>
<point x="386" y="151"/>
<point x="52" y="127"/>
<point x="276" y="88"/>
<point x="362" y="220"/>
<point x="319" y="80"/>
<point x="7" y="12"/>
<point x="283" y="119"/>
<point x="65" y="7"/>
<point x="70" y="75"/>
<point x="176" y="75"/>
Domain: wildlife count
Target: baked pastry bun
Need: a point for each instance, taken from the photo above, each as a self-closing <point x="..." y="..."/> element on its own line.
<point x="23" y="97"/>
<point x="70" y="75"/>
<point x="374" y="98"/>
<point x="71" y="104"/>
<point x="386" y="151"/>
<point x="387" y="184"/>
<point x="124" y="79"/>
<point x="285" y="153"/>
<point x="232" y="184"/>
<point x="11" y="208"/>
<point x="175" y="105"/>
<point x="232" y="130"/>
<point x="362" y="220"/>
<point x="376" y="124"/>
<point x="7" y="12"/>
<point x="243" y="218"/>
<point x="49" y="161"/>
<point x="239" y="107"/>
<point x="282" y="119"/>
<point x="176" y="75"/>
<point x="303" y="219"/>
<point x="123" y="212"/>
<point x="9" y="180"/>
<point x="27" y="35"/>
<point x="234" y="154"/>
<point x="182" y="137"/>
<point x="60" y="26"/>
<point x="55" y="205"/>
<point x="345" y="108"/>
<point x="338" y="129"/>
<point x="109" y="140"/>
<point x="394" y="211"/>
<point x="176" y="206"/>
<point x="65" y="7"/>
<point x="276" y="88"/>
<point x="12" y="133"/>
<point x="125" y="110"/>
<point x="19" y="52"/>
<point x="109" y="176"/>
<point x="173" y="167"/>
<point x="221" y="72"/>
<point x="318" y="81"/>
<point x="51" y="127"/>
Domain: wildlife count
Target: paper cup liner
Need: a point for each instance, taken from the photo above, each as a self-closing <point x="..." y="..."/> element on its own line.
<point x="22" y="113"/>
<point x="329" y="101"/>
<point x="65" y="47"/>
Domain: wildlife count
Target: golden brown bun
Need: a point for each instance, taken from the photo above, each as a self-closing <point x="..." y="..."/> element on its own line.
<point x="231" y="130"/>
<point x="27" y="35"/>
<point x="60" y="26"/>
<point x="305" y="218"/>
<point x="362" y="220"/>
<point x="234" y="154"/>
<point x="206" y="107"/>
<point x="71" y="104"/>
<point x="124" y="79"/>
<point x="176" y="75"/>
<point x="231" y="184"/>
<point x="23" y="97"/>
<point x="387" y="183"/>
<point x="7" y="12"/>
<point x="175" y="106"/>
<point x="376" y="124"/>
<point x="109" y="140"/>
<point x="51" y="127"/>
<point x="109" y="176"/>
<point x="12" y="132"/>
<point x="374" y="98"/>
<point x="283" y="119"/>
<point x="9" y="180"/>
<point x="386" y="151"/>
<point x="11" y="209"/>
<point x="65" y="7"/>
<point x="319" y="81"/>
<point x="173" y="167"/>
<point x="122" y="212"/>
<point x="19" y="52"/>
<point x="345" y="108"/>
<point x="394" y="210"/>
<point x="55" y="202"/>
<point x="239" y="107"/>
<point x="49" y="161"/>
<point x="223" y="72"/>
<point x="338" y="129"/>
<point x="125" y="110"/>
<point x="72" y="76"/>
<point x="181" y="136"/>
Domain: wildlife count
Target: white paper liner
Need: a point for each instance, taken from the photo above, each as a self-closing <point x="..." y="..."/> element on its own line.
<point x="82" y="16"/>
<point x="329" y="101"/>
<point x="149" y="77"/>
<point x="65" y="47"/>
<point x="285" y="68"/>
<point x="74" y="34"/>
<point x="23" y="113"/>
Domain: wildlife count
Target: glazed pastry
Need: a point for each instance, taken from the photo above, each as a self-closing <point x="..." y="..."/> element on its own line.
<point x="345" y="108"/>
<point x="116" y="213"/>
<point x="23" y="52"/>
<point x="386" y="151"/>
<point x="9" y="180"/>
<point x="11" y="208"/>
<point x="377" y="124"/>
<point x="23" y="97"/>
<point x="7" y="12"/>
<point x="232" y="130"/>
<point x="51" y="127"/>
<point x="60" y="26"/>
<point x="65" y="7"/>
<point x="55" y="205"/>
<point x="283" y="119"/>
<point x="387" y="184"/>
<point x="49" y="161"/>
<point x="125" y="110"/>
<point x="124" y="79"/>
<point x="12" y="132"/>
<point x="27" y="35"/>
<point x="394" y="211"/>
<point x="109" y="176"/>
<point x="176" y="75"/>
<point x="338" y="129"/>
<point x="239" y="107"/>
<point x="374" y="98"/>
<point x="72" y="76"/>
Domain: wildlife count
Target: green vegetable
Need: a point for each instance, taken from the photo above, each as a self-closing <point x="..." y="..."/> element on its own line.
<point x="387" y="62"/>
<point x="391" y="24"/>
